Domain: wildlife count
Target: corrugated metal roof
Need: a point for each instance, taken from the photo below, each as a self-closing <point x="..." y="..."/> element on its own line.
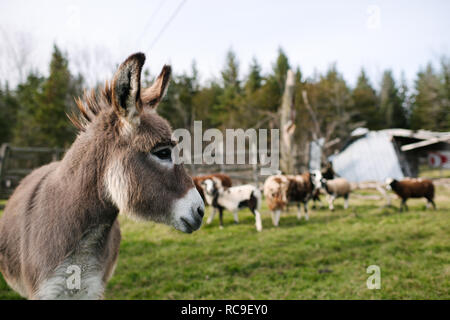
<point x="419" y="134"/>
<point x="425" y="143"/>
<point x="370" y="158"/>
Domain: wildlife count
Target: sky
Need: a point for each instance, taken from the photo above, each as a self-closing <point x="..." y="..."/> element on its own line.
<point x="400" y="35"/>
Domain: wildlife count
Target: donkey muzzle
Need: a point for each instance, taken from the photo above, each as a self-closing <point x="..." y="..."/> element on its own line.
<point x="188" y="212"/>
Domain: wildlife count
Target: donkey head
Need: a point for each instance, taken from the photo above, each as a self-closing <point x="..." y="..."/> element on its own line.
<point x="141" y="178"/>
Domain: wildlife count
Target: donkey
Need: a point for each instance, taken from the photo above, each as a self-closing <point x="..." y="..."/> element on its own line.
<point x="62" y="218"/>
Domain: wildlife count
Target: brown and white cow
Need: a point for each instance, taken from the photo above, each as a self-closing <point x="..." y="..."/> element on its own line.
<point x="280" y="190"/>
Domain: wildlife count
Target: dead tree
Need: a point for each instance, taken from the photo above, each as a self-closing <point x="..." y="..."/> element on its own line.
<point x="327" y="131"/>
<point x="287" y="124"/>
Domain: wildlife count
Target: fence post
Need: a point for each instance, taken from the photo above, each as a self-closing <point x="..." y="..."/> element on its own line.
<point x="255" y="174"/>
<point x="3" y="158"/>
<point x="55" y="155"/>
<point x="253" y="156"/>
<point x="222" y="157"/>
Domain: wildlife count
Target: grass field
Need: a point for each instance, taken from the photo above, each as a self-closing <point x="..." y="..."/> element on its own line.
<point x="433" y="173"/>
<point x="324" y="258"/>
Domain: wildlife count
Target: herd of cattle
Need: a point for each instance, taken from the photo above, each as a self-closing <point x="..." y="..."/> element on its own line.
<point x="282" y="190"/>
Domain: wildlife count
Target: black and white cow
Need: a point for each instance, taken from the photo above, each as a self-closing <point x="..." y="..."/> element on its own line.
<point x="232" y="199"/>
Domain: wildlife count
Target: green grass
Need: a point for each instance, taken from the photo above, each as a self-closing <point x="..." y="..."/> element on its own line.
<point x="433" y="173"/>
<point x="324" y="258"/>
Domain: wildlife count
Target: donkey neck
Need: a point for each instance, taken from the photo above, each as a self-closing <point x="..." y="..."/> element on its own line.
<point x="82" y="175"/>
<point x="75" y="210"/>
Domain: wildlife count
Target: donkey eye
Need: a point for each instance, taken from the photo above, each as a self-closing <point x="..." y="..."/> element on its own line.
<point x="163" y="153"/>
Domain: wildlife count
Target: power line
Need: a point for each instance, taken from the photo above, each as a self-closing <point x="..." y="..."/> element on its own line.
<point x="150" y="20"/>
<point x="167" y="24"/>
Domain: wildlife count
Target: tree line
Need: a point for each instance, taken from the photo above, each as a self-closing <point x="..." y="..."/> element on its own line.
<point x="34" y="112"/>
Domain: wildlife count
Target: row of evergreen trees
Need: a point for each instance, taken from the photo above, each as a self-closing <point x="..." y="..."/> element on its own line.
<point x="34" y="112"/>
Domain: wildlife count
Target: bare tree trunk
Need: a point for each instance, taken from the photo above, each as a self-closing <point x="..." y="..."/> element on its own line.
<point x="316" y="131"/>
<point x="287" y="124"/>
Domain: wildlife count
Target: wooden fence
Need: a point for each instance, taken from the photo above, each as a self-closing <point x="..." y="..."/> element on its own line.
<point x="17" y="162"/>
<point x="238" y="173"/>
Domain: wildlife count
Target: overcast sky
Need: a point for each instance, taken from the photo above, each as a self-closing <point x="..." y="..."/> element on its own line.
<point x="401" y="35"/>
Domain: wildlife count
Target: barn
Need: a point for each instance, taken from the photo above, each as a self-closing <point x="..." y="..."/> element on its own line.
<point x="397" y="153"/>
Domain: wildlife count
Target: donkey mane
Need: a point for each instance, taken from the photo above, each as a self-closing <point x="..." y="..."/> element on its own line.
<point x="90" y="105"/>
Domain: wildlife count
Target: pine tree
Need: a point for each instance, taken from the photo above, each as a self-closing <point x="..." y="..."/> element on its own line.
<point x="204" y="100"/>
<point x="254" y="79"/>
<point x="391" y="109"/>
<point x="273" y="86"/>
<point x="298" y="75"/>
<point x="334" y="98"/>
<point x="253" y="103"/>
<point x="230" y="73"/>
<point x="8" y="114"/>
<point x="178" y="106"/>
<point x="365" y="103"/>
<point x="54" y="104"/>
<point x="280" y="69"/>
<point x="227" y="109"/>
<point x="44" y="104"/>
<point x="427" y="102"/>
<point x="445" y="93"/>
<point x="26" y="130"/>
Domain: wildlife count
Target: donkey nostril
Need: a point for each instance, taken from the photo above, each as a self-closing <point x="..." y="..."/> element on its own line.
<point x="201" y="212"/>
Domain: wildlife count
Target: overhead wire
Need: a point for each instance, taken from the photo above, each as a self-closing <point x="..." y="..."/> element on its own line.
<point x="166" y="25"/>
<point x="150" y="21"/>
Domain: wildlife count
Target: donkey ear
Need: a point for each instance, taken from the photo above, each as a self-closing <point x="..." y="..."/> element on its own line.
<point x="126" y="88"/>
<point x="151" y="96"/>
